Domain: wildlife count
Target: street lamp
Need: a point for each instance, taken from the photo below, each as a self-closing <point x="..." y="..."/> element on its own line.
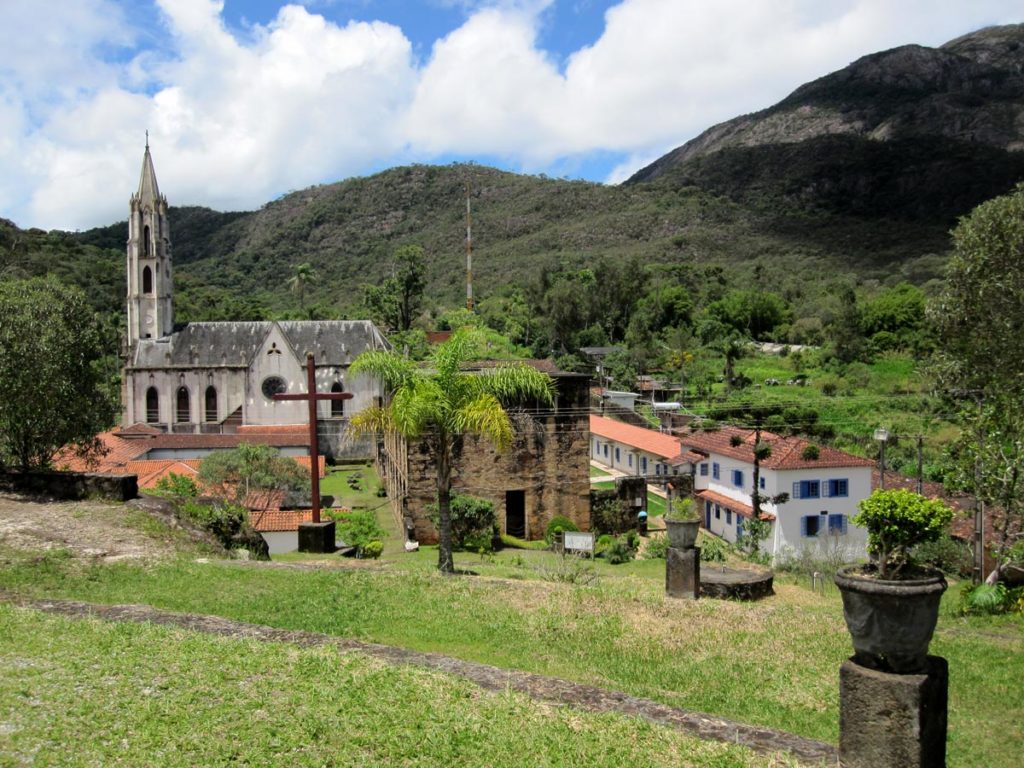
<point x="882" y="436"/>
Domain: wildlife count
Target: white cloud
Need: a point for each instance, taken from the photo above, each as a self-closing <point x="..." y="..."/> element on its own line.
<point x="236" y="120"/>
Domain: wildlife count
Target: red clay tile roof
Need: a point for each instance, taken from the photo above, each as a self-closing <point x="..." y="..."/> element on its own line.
<point x="736" y="506"/>
<point x="191" y="440"/>
<point x="787" y="452"/>
<point x="274" y="520"/>
<point x="116" y="452"/>
<point x="657" y="443"/>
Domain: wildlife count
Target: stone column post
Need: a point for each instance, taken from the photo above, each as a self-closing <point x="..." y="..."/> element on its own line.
<point x="682" y="573"/>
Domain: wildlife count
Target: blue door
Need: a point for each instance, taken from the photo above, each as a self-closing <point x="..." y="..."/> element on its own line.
<point x="707" y="515"/>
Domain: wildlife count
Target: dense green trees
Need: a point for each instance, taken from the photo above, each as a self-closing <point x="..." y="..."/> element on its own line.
<point x="979" y="320"/>
<point x="395" y="302"/>
<point x="55" y="375"/>
<point x="252" y="467"/>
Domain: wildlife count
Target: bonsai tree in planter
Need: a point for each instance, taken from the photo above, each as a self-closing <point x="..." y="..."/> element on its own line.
<point x="682" y="524"/>
<point x="896" y="521"/>
<point x="891" y="606"/>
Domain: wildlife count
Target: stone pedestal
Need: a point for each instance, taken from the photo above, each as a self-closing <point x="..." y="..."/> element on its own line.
<point x="682" y="573"/>
<point x="317" y="537"/>
<point x="893" y="721"/>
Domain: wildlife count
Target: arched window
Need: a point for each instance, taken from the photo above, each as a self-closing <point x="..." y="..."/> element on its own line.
<point x="152" y="406"/>
<point x="211" y="404"/>
<point x="183" y="406"/>
<point x="147" y="280"/>
<point x="145" y="242"/>
<point x="337" y="406"/>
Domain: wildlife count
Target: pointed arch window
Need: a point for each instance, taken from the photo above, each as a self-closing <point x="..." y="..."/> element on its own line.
<point x="337" y="406"/>
<point x="183" y="409"/>
<point x="211" y="404"/>
<point x="152" y="406"/>
<point x="146" y="252"/>
<point x="147" y="280"/>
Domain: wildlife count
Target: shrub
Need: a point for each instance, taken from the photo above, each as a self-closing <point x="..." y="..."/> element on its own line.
<point x="712" y="548"/>
<point x="177" y="486"/>
<point x="984" y="599"/>
<point x="568" y="569"/>
<point x="601" y="545"/>
<point x="558" y="524"/>
<point x="358" y="528"/>
<point x="473" y="522"/>
<point x="516" y="543"/>
<point x="619" y="551"/>
<point x="949" y="555"/>
<point x="373" y="550"/>
<point x="657" y="548"/>
<point x="223" y="519"/>
<point x="608" y="515"/>
<point x="810" y="452"/>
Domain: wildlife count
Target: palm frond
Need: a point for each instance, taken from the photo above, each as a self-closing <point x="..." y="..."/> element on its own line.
<point x="484" y="416"/>
<point x="392" y="369"/>
<point x="372" y="420"/>
<point x="516" y="382"/>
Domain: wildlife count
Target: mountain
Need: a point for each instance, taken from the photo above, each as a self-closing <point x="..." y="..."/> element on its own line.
<point x="911" y="133"/>
<point x="857" y="176"/>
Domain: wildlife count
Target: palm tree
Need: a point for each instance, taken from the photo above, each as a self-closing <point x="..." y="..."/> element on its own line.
<point x="441" y="403"/>
<point x="304" y="275"/>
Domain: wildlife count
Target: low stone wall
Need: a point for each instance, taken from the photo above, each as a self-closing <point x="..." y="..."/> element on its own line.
<point x="71" y="485"/>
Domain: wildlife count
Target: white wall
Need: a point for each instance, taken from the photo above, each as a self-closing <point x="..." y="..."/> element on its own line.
<point x="656" y="465"/>
<point x="787" y="535"/>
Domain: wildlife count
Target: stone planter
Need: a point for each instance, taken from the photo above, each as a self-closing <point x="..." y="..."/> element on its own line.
<point x="682" y="534"/>
<point x="891" y="622"/>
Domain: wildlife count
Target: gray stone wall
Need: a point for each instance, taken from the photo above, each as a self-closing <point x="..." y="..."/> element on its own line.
<point x="71" y="485"/>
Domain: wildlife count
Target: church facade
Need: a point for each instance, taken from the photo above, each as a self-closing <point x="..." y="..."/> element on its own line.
<point x="217" y="377"/>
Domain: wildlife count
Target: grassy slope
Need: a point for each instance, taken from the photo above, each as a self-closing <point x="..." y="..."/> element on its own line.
<point x="771" y="663"/>
<point x="88" y="693"/>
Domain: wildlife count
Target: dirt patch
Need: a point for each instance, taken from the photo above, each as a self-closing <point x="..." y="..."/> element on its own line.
<point x="92" y="529"/>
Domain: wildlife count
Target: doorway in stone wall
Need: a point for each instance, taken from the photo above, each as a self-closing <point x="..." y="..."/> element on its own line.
<point x="515" y="514"/>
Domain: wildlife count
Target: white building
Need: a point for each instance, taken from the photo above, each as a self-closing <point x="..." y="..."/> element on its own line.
<point x="216" y="377"/>
<point x="824" y="486"/>
<point x="635" y="450"/>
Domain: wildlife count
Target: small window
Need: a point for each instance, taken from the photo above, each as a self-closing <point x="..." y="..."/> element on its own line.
<point x="152" y="406"/>
<point x="183" y="410"/>
<point x="211" y="405"/>
<point x="337" y="406"/>
<point x="737" y="478"/>
<point x="716" y="470"/>
<point x="597" y="447"/>
<point x="761" y="482"/>
<point x="631" y="459"/>
<point x="704" y="469"/>
<point x="837" y="525"/>
<point x="606" y="450"/>
<point x="728" y="517"/>
<point x="147" y="280"/>
<point x="643" y="464"/>
<point x="807" y="489"/>
<point x="657" y="469"/>
<point x="809" y="526"/>
<point x="618" y="457"/>
<point x="146" y="250"/>
<point x="718" y="512"/>
<point x="839" y="487"/>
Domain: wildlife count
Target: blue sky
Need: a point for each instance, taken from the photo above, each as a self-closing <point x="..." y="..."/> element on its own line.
<point x="248" y="99"/>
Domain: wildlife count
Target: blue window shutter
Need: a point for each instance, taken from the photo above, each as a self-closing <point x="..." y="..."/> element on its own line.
<point x="762" y="482"/>
<point x="796" y="490"/>
<point x="826" y="490"/>
<point x="803" y="524"/>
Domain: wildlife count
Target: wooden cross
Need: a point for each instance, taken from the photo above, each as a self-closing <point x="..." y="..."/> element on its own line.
<point x="312" y="396"/>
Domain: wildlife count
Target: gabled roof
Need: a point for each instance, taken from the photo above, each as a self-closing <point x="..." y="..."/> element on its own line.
<point x="746" y="510"/>
<point x="657" y="443"/>
<point x="787" y="452"/>
<point x="233" y="345"/>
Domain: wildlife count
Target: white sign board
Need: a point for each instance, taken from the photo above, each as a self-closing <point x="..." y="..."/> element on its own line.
<point x="575" y="541"/>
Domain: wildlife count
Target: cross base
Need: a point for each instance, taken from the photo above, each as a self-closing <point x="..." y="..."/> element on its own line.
<point x="317" y="537"/>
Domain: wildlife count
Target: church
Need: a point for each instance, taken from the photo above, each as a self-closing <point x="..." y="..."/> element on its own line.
<point x="213" y="378"/>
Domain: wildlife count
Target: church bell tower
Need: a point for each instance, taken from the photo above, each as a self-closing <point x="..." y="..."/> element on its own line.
<point x="150" y="286"/>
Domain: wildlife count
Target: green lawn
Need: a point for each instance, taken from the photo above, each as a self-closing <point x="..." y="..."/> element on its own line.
<point x="773" y="663"/>
<point x="83" y="692"/>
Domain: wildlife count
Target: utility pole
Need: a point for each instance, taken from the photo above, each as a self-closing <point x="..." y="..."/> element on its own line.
<point x="469" y="253"/>
<point x="920" y="464"/>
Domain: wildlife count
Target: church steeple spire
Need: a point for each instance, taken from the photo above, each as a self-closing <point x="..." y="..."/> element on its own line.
<point x="150" y="285"/>
<point x="148" y="189"/>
